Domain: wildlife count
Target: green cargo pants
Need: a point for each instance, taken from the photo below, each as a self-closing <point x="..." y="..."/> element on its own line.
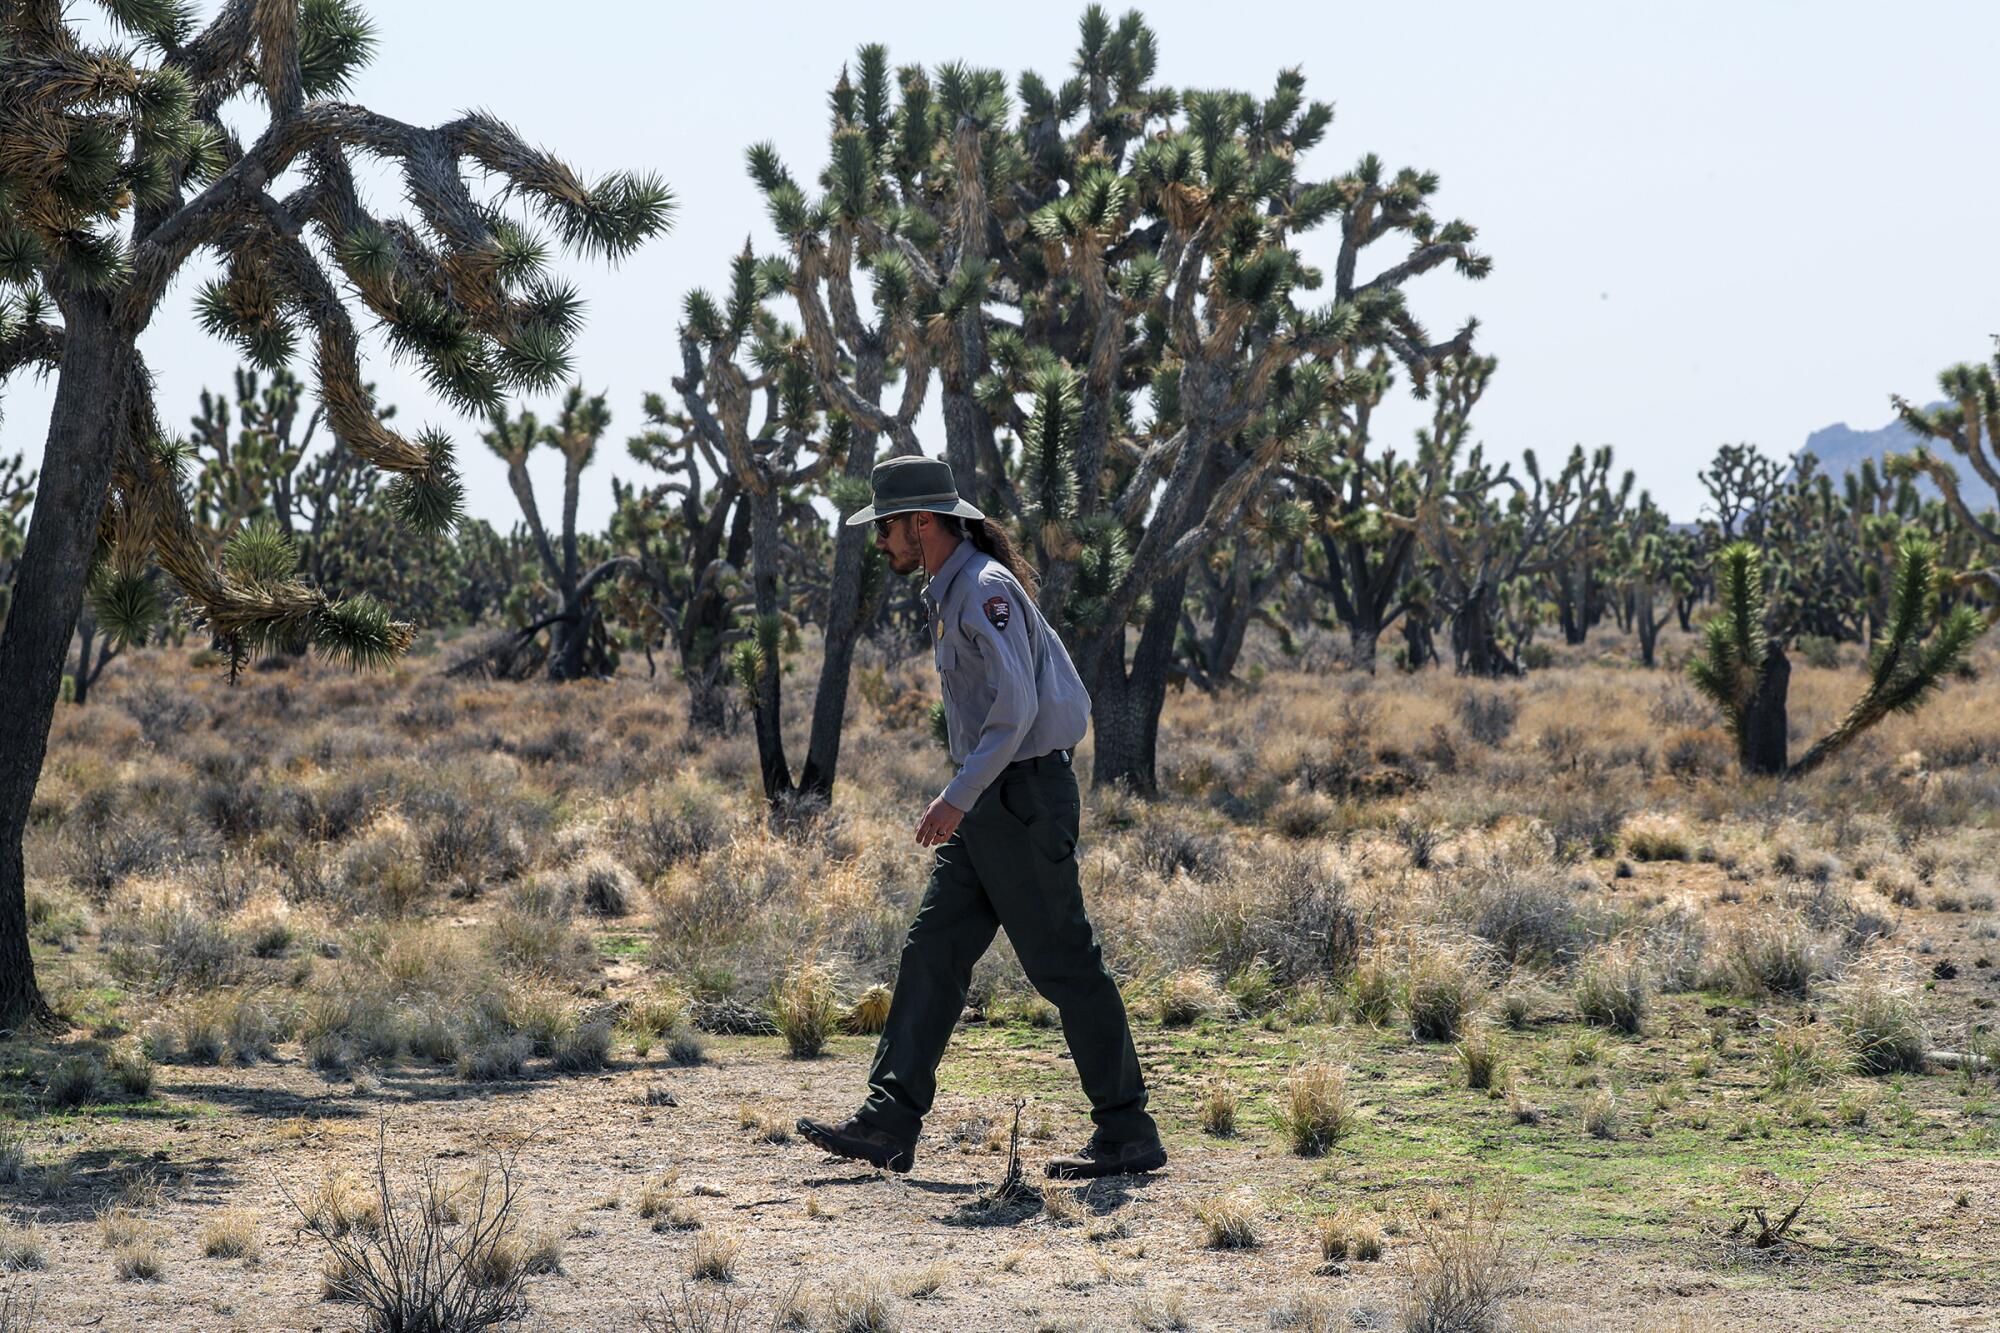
<point x="1011" y="863"/>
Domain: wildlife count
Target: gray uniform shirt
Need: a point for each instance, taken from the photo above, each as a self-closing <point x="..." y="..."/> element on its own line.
<point x="1010" y="690"/>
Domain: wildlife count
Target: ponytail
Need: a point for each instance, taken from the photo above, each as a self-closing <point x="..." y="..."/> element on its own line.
<point x="990" y="539"/>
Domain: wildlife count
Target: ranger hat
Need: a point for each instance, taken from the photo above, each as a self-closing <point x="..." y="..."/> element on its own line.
<point x="910" y="483"/>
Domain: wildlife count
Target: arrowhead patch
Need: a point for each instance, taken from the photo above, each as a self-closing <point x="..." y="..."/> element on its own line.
<point x="999" y="612"/>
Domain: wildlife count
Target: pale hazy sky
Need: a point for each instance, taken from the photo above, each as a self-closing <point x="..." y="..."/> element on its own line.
<point x="1709" y="221"/>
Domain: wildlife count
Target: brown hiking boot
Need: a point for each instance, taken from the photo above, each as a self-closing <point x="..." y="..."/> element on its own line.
<point x="859" y="1140"/>
<point x="1102" y="1158"/>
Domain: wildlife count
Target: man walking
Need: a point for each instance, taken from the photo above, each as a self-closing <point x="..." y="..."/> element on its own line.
<point x="1005" y="828"/>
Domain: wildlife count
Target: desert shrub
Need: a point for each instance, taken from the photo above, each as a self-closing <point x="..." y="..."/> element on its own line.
<point x="1374" y="991"/>
<point x="602" y="886"/>
<point x="76" y="1081"/>
<point x="1614" y="988"/>
<point x="1189" y="996"/>
<point x="1488" y="715"/>
<point x="432" y="1261"/>
<point x="1459" y="1280"/>
<point x="1674" y="940"/>
<point x="1883" y="1022"/>
<point x="1169" y="848"/>
<point x="491" y="1056"/>
<point x="860" y="1305"/>
<point x="1312" y="930"/>
<point x="549" y="946"/>
<point x="586" y="1046"/>
<point x="130" y="1071"/>
<point x="1582" y="816"/>
<point x="1778" y="954"/>
<point x="1349" y="1236"/>
<point x="173" y="945"/>
<point x="682" y="821"/>
<point x="1526" y="909"/>
<point x="806" y="1008"/>
<point x="1313" y="1112"/>
<point x="1441" y="988"/>
<point x="1656" y="837"/>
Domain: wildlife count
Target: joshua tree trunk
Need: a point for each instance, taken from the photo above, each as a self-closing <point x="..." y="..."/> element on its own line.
<point x="845" y="615"/>
<point x="92" y="390"/>
<point x="1475" y="638"/>
<point x="1764" y="740"/>
<point x="93" y="654"/>
<point x="1126" y="705"/>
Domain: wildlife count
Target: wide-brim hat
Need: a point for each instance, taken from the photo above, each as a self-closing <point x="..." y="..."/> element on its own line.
<point x="911" y="484"/>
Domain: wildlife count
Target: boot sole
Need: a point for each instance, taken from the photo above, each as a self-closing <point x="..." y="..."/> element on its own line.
<point x="1138" y="1166"/>
<point x="899" y="1162"/>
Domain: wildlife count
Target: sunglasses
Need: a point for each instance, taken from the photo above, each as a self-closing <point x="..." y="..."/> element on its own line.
<point x="887" y="522"/>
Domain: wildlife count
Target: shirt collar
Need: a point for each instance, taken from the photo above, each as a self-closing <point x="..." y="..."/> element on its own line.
<point x="934" y="590"/>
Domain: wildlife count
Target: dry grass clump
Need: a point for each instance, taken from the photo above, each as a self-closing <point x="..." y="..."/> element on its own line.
<point x="231" y="1234"/>
<point x="1806" y="1055"/>
<point x="1460" y="1281"/>
<point x="1778" y="954"/>
<point x="21" y="1248"/>
<point x="714" y="1258"/>
<point x="863" y="1305"/>
<point x="1216" y="1110"/>
<point x="1480" y="1056"/>
<point x="1600" y="1115"/>
<point x="1350" y="1236"/>
<point x="660" y="1203"/>
<point x="770" y="1127"/>
<point x="1656" y="837"/>
<point x="806" y="1008"/>
<point x="75" y="1081"/>
<point x="1614" y="988"/>
<point x="1160" y="1312"/>
<point x="602" y="886"/>
<point x="1227" y="1223"/>
<point x="1883" y="1022"/>
<point x="1524" y="905"/>
<point x="1188" y="996"/>
<point x="1441" y="989"/>
<point x="442" y="1254"/>
<point x="173" y="943"/>
<point x="1313" y="1112"/>
<point x="1374" y="991"/>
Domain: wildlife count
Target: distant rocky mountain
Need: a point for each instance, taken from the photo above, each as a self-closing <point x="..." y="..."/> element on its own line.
<point x="1840" y="448"/>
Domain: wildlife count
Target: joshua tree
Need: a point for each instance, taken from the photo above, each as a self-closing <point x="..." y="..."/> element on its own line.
<point x="1648" y="557"/>
<point x="1488" y="535"/>
<point x="1743" y="669"/>
<point x="120" y="165"/>
<point x="1365" y="562"/>
<point x="1741" y="484"/>
<point x="734" y="355"/>
<point x="1142" y="242"/>
<point x="692" y="538"/>
<point x="573" y="626"/>
<point x="1969" y="421"/>
<point x="252" y="469"/>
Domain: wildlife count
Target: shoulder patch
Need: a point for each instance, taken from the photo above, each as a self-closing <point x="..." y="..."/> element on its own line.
<point x="999" y="611"/>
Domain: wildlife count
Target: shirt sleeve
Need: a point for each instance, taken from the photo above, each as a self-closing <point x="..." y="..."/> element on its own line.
<point x="1004" y="655"/>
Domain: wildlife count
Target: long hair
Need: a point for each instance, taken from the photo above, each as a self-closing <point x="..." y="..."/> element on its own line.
<point x="989" y="538"/>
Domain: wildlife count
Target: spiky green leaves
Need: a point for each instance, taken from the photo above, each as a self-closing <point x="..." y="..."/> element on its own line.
<point x="246" y="308"/>
<point x="259" y="554"/>
<point x="614" y="216"/>
<point x="976" y="94"/>
<point x="433" y="500"/>
<point x="1048" y="482"/>
<point x="126" y="604"/>
<point x="1904" y="669"/>
<point x="1734" y="640"/>
<point x="162" y="22"/>
<point x="335" y="41"/>
<point x="358" y="633"/>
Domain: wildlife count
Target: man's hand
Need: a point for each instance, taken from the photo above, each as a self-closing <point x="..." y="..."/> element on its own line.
<point x="940" y="821"/>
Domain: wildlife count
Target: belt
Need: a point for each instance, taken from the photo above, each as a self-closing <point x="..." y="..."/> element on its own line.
<point x="1049" y="762"/>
